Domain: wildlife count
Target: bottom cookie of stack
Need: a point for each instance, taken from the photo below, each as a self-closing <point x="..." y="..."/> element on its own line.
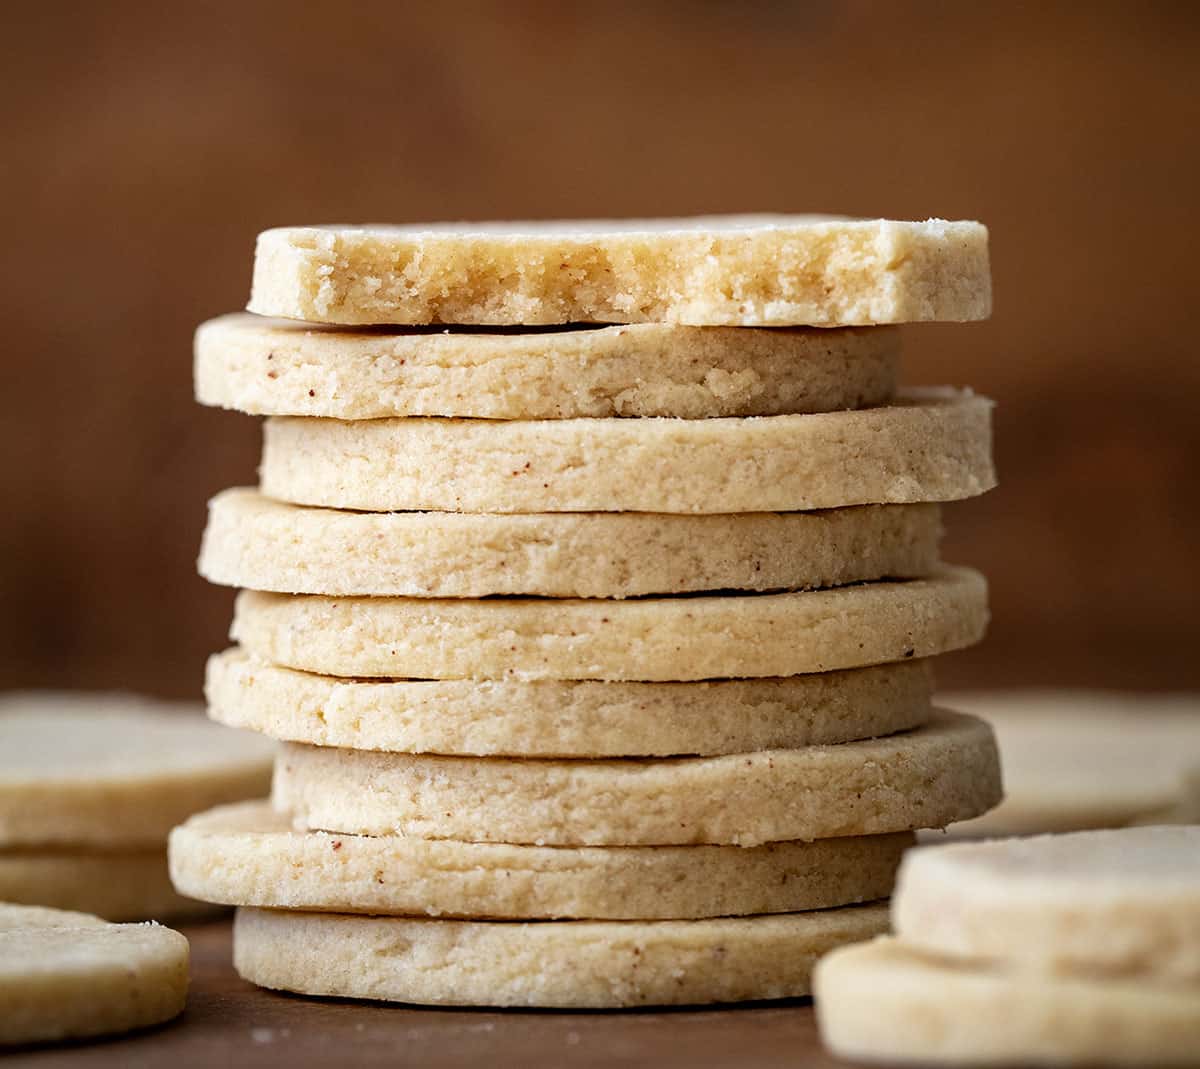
<point x="552" y="964"/>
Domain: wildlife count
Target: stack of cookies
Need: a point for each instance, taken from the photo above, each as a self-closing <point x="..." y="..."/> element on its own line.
<point x="618" y="632"/>
<point x="1076" y="949"/>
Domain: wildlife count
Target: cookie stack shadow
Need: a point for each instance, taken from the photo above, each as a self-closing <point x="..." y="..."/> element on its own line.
<point x="600" y="653"/>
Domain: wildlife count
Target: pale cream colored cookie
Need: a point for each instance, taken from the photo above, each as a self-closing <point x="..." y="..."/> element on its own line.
<point x="112" y="770"/>
<point x="664" y="639"/>
<point x="567" y="964"/>
<point x="926" y="778"/>
<point x="70" y="975"/>
<point x="1075" y="760"/>
<point x="1123" y="901"/>
<point x="248" y="855"/>
<point x="886" y="1002"/>
<point x="274" y="367"/>
<point x="931" y="445"/>
<point x="744" y="271"/>
<point x="252" y="541"/>
<point x="567" y="718"/>
<point x="118" y="885"/>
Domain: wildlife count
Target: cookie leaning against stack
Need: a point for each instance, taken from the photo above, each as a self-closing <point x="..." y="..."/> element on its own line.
<point x="679" y="758"/>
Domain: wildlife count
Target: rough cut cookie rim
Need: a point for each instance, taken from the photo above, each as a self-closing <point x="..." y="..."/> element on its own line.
<point x="708" y="271"/>
<point x="674" y="639"/>
<point x="943" y="771"/>
<point x="249" y="855"/>
<point x="563" y="964"/>
<point x="566" y="718"/>
<point x="288" y="368"/>
<point x="929" y="444"/>
<point x="259" y="543"/>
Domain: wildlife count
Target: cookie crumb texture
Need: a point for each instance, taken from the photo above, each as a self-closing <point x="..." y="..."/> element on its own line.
<point x="251" y="541"/>
<point x="273" y="367"/>
<point x="67" y="975"/>
<point x="249" y="855"/>
<point x="884" y="1002"/>
<point x="947" y="770"/>
<point x="654" y="639"/>
<point x="929" y="445"/>
<point x="743" y="271"/>
<point x="567" y="964"/>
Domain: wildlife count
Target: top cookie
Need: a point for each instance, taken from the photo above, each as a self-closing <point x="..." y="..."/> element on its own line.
<point x="115" y="771"/>
<point x="742" y="271"/>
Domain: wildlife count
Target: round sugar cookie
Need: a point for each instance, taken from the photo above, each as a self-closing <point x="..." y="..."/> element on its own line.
<point x="252" y="541"/>
<point x="70" y="975"/>
<point x="563" y="964"/>
<point x="248" y="855"/>
<point x="118" y="885"/>
<point x="930" y="445"/>
<point x="884" y="1001"/>
<point x="733" y="270"/>
<point x="114" y="770"/>
<point x="652" y="639"/>
<point x="274" y="367"/>
<point x="926" y="778"/>
<point x="567" y="718"/>
<point x="1075" y="760"/>
<point x="1121" y="901"/>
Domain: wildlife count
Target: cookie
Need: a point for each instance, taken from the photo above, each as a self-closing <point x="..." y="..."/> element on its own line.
<point x="653" y="639"/>
<point x="742" y="271"/>
<point x="567" y="718"/>
<point x="273" y="367"/>
<point x="70" y="975"/>
<point x="926" y="778"/>
<point x="932" y="445"/>
<point x="248" y="855"/>
<point x="564" y="964"/>
<point x="884" y="1001"/>
<point x="1075" y="760"/>
<point x="252" y="541"/>
<point x="112" y="770"/>
<point x="118" y="885"/>
<point x="1124" y="901"/>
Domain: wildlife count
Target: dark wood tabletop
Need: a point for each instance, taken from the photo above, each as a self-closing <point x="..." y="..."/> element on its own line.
<point x="229" y="1022"/>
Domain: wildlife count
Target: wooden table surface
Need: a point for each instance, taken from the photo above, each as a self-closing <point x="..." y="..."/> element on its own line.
<point x="229" y="1022"/>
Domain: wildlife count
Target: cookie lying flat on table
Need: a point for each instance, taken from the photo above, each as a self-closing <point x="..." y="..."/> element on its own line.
<point x="254" y="542"/>
<point x="111" y="770"/>
<point x="744" y="271"/>
<point x="927" y="778"/>
<point x="566" y="964"/>
<point x="567" y="718"/>
<point x="70" y="975"/>
<point x="118" y="885"/>
<point x="1075" y="760"/>
<point x="1123" y="901"/>
<point x="249" y="855"/>
<point x="274" y="367"/>
<point x="884" y="1002"/>
<point x="927" y="445"/>
<point x="667" y="639"/>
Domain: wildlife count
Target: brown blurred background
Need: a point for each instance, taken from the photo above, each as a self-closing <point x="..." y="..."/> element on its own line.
<point x="145" y="144"/>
